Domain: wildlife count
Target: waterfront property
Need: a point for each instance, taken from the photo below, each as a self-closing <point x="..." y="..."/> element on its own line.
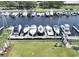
<point x="43" y="35"/>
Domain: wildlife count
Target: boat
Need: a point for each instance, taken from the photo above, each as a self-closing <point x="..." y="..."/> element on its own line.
<point x="38" y="14"/>
<point x="66" y="28"/>
<point x="17" y="29"/>
<point x="51" y="13"/>
<point x="56" y="29"/>
<point x="47" y="14"/>
<point x="49" y="30"/>
<point x="26" y="29"/>
<point x="40" y="30"/>
<point x="33" y="30"/>
<point x="24" y="14"/>
<point x="33" y="14"/>
<point x="6" y="14"/>
<point x="14" y="14"/>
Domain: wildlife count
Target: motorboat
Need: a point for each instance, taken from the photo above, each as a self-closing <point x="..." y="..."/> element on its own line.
<point x="17" y="29"/>
<point x="26" y="29"/>
<point x="56" y="29"/>
<point x="14" y="14"/>
<point x="66" y="28"/>
<point x="47" y="14"/>
<point x="39" y="14"/>
<point x="24" y="14"/>
<point x="6" y="14"/>
<point x="33" y="30"/>
<point x="40" y="30"/>
<point x="33" y="14"/>
<point x="49" y="30"/>
<point x="42" y="14"/>
<point x="51" y="13"/>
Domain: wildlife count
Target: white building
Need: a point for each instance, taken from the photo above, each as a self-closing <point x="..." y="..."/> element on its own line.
<point x="71" y="2"/>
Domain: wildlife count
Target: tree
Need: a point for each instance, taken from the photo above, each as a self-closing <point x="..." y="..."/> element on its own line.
<point x="51" y="4"/>
<point x="27" y="4"/>
<point x="7" y="3"/>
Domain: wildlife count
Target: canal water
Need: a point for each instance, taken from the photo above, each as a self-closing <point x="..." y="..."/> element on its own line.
<point x="55" y="20"/>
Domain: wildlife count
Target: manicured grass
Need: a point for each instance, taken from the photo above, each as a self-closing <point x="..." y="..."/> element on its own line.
<point x="75" y="43"/>
<point x="39" y="48"/>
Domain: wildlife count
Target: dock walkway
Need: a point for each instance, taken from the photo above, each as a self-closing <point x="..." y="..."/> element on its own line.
<point x="1" y="28"/>
<point x="76" y="28"/>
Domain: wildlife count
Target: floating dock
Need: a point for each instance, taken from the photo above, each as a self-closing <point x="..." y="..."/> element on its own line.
<point x="76" y="28"/>
<point x="27" y="36"/>
<point x="33" y="37"/>
<point x="1" y="28"/>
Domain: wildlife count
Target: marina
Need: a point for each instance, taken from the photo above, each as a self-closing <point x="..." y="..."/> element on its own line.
<point x="56" y="24"/>
<point x="45" y="33"/>
<point x="39" y="29"/>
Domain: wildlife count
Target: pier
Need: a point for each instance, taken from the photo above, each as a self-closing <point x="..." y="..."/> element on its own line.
<point x="76" y="28"/>
<point x="1" y="28"/>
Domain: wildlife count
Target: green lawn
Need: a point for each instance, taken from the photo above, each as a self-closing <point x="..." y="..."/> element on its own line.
<point x="75" y="43"/>
<point x="39" y="48"/>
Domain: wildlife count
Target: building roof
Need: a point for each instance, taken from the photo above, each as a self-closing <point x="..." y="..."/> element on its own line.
<point x="71" y="2"/>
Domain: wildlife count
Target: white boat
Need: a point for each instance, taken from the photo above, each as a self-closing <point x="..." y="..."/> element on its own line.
<point x="66" y="28"/>
<point x="51" y="13"/>
<point x="33" y="14"/>
<point x="56" y="29"/>
<point x="39" y="14"/>
<point x="26" y="29"/>
<point x="33" y="30"/>
<point x="24" y="14"/>
<point x="40" y="29"/>
<point x="49" y="30"/>
<point x="19" y="28"/>
<point x="14" y="14"/>
<point x="42" y="14"/>
<point x="47" y="14"/>
<point x="6" y="14"/>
